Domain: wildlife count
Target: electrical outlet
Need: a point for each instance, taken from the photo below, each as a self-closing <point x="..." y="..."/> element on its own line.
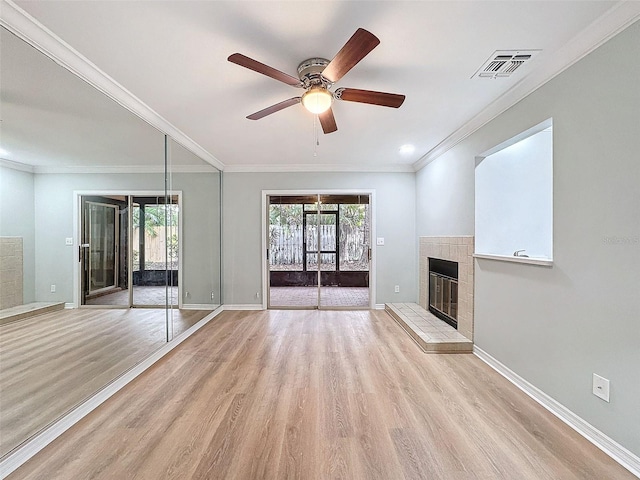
<point x="212" y="296"/>
<point x="257" y="294"/>
<point x="397" y="289"/>
<point x="380" y="241"/>
<point x="68" y="241"/>
<point x="601" y="387"/>
<point x="53" y="288"/>
<point x="187" y="295"/>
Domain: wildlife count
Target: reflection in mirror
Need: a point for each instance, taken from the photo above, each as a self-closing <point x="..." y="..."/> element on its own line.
<point x="103" y="253"/>
<point x="155" y="244"/>
<point x="111" y="252"/>
<point x="193" y="241"/>
<point x="73" y="165"/>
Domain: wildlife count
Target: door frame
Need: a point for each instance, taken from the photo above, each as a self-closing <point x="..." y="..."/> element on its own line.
<point x="77" y="232"/>
<point x="265" y="234"/>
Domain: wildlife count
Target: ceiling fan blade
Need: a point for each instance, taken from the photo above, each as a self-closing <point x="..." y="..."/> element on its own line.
<point x="256" y="66"/>
<point x="274" y="108"/>
<point x="368" y="96"/>
<point x="328" y="121"/>
<point x="356" y="48"/>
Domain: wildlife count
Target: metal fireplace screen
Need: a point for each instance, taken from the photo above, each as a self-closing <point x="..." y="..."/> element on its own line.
<point x="443" y="290"/>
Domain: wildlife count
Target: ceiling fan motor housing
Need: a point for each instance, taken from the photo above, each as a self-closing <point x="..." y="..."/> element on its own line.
<point x="310" y="72"/>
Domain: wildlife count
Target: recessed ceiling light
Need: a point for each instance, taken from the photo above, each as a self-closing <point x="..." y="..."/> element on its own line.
<point x="407" y="149"/>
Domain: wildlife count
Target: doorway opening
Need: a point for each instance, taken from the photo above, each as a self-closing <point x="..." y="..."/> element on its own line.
<point x="319" y="251"/>
<point x="129" y="250"/>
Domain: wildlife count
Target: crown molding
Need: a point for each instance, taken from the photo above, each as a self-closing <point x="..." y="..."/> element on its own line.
<point x="16" y="166"/>
<point x="26" y="27"/>
<point x="124" y="169"/>
<point x="614" y="21"/>
<point x="43" y="169"/>
<point x="293" y="168"/>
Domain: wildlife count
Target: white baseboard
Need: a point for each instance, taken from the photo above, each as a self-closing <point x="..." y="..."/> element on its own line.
<point x="69" y="306"/>
<point x="198" y="306"/>
<point x="379" y="306"/>
<point x="620" y="454"/>
<point x="249" y="306"/>
<point x="48" y="435"/>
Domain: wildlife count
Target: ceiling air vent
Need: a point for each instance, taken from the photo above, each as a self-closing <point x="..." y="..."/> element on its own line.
<point x="503" y="63"/>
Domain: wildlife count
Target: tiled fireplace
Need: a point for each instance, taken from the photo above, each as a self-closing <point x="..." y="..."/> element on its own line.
<point x="453" y="249"/>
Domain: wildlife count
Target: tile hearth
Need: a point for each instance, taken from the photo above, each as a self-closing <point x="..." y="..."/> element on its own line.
<point x="428" y="331"/>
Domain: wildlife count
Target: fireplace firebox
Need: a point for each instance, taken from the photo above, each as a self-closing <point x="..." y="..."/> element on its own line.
<point x="443" y="290"/>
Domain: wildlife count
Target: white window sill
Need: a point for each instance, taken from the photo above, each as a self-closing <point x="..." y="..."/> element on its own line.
<point x="545" y="262"/>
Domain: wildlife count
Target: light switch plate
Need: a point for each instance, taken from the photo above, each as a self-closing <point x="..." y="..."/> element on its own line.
<point x="380" y="241"/>
<point x="601" y="387"/>
<point x="68" y="241"/>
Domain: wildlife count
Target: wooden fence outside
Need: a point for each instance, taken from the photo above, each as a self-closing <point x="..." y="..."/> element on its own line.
<point x="286" y="247"/>
<point x="155" y="247"/>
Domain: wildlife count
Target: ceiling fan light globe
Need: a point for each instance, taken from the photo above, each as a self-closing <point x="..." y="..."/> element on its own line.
<point x="317" y="100"/>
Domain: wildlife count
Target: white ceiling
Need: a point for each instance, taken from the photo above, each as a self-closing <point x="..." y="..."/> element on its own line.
<point x="172" y="56"/>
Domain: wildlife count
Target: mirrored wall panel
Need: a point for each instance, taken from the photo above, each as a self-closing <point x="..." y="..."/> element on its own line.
<point x="193" y="236"/>
<point x="109" y="241"/>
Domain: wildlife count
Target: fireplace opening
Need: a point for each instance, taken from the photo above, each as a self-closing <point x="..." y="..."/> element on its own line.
<point x="443" y="290"/>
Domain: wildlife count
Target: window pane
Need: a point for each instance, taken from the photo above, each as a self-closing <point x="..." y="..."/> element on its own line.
<point x="354" y="237"/>
<point x="312" y="262"/>
<point x="329" y="206"/>
<point x="328" y="232"/>
<point x="285" y="237"/>
<point x="328" y="262"/>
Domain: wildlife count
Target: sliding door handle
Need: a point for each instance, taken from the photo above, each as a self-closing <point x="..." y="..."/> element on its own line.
<point x="80" y="252"/>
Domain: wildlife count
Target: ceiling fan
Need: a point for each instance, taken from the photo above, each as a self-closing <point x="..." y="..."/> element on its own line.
<point x="318" y="75"/>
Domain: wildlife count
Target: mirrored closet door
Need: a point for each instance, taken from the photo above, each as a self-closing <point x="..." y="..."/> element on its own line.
<point x="75" y="165"/>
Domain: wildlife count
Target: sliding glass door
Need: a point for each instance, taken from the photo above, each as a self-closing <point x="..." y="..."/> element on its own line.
<point x="319" y="251"/>
<point x="345" y="252"/>
<point x="293" y="273"/>
<point x="103" y="250"/>
<point x="130" y="260"/>
<point x="154" y="243"/>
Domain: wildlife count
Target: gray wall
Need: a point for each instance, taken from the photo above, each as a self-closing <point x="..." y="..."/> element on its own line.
<point x="556" y="326"/>
<point x="54" y="222"/>
<point x="395" y="219"/>
<point x="17" y="220"/>
<point x="444" y="194"/>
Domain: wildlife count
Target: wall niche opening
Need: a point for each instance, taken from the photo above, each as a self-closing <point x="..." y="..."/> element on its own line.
<point x="514" y="197"/>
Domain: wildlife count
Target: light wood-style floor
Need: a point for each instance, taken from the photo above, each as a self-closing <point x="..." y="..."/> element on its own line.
<point x="318" y="395"/>
<point x="142" y="295"/>
<point x="51" y="362"/>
